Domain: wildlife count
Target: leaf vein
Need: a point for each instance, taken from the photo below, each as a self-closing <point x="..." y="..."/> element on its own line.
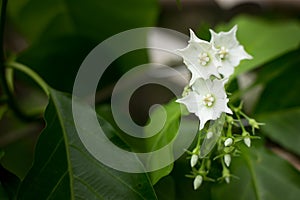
<point x="107" y="171"/>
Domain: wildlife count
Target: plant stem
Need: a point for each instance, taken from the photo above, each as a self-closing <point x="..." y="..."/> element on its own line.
<point x="32" y="74"/>
<point x="240" y="122"/>
<point x="5" y="87"/>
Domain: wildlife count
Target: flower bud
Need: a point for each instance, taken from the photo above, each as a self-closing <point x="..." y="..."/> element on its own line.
<point x="253" y="123"/>
<point x="226" y="175"/>
<point x="229" y="119"/>
<point x="227" y="159"/>
<point x="197" y="182"/>
<point x="247" y="141"/>
<point x="228" y="142"/>
<point x="209" y="135"/>
<point x="194" y="160"/>
<point x="227" y="179"/>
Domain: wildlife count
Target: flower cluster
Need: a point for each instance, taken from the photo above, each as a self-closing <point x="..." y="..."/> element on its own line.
<point x="211" y="64"/>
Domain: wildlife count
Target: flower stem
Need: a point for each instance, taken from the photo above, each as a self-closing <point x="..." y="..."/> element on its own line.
<point x="240" y="122"/>
<point x="229" y="130"/>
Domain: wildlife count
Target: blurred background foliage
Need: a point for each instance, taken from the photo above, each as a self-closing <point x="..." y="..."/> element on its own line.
<point x="53" y="37"/>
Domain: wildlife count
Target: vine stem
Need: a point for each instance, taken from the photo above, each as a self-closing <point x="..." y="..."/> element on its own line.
<point x="6" y="87"/>
<point x="32" y="74"/>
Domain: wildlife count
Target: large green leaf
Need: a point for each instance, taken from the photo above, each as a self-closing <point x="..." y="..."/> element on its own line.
<point x="63" y="168"/>
<point x="62" y="32"/>
<point x="93" y="19"/>
<point x="264" y="40"/>
<point x="278" y="105"/>
<point x="164" y="136"/>
<point x="283" y="127"/>
<point x="262" y="175"/>
<point x="171" y="113"/>
<point x="281" y="91"/>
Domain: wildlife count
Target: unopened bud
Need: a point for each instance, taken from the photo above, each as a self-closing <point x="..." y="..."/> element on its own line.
<point x="194" y="160"/>
<point x="227" y="159"/>
<point x="227" y="179"/>
<point x="228" y="142"/>
<point x="253" y="123"/>
<point x="197" y="182"/>
<point x="247" y="141"/>
<point x="229" y="119"/>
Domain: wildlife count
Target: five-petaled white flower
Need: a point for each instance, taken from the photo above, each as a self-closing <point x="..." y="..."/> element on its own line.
<point x="208" y="100"/>
<point x="201" y="58"/>
<point x="229" y="50"/>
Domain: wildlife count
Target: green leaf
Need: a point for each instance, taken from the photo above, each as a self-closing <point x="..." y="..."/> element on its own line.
<point x="165" y="188"/>
<point x="92" y="19"/>
<point x="63" y="168"/>
<point x="264" y="40"/>
<point x="262" y="175"/>
<point x="278" y="106"/>
<point x="283" y="127"/>
<point x="62" y="32"/>
<point x="164" y="136"/>
<point x="281" y="90"/>
<point x="172" y="112"/>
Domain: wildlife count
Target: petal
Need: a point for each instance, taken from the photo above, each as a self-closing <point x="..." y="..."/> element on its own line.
<point x="202" y="86"/>
<point x="191" y="101"/>
<point x="218" y="89"/>
<point x="190" y="56"/>
<point x="226" y="39"/>
<point x="240" y="53"/>
<point x="204" y="115"/>
<point x="228" y="110"/>
<point x="218" y="108"/>
<point x="193" y="37"/>
<point x="227" y="69"/>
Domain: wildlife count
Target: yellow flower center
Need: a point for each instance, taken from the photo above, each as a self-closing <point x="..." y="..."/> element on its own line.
<point x="204" y="59"/>
<point x="208" y="100"/>
<point x="223" y="52"/>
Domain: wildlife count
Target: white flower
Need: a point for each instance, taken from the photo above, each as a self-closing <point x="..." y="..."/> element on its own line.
<point x="201" y="58"/>
<point x="227" y="159"/>
<point x="208" y="100"/>
<point x="197" y="182"/>
<point x="229" y="50"/>
<point x="194" y="160"/>
<point x="247" y="141"/>
<point x="228" y="142"/>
